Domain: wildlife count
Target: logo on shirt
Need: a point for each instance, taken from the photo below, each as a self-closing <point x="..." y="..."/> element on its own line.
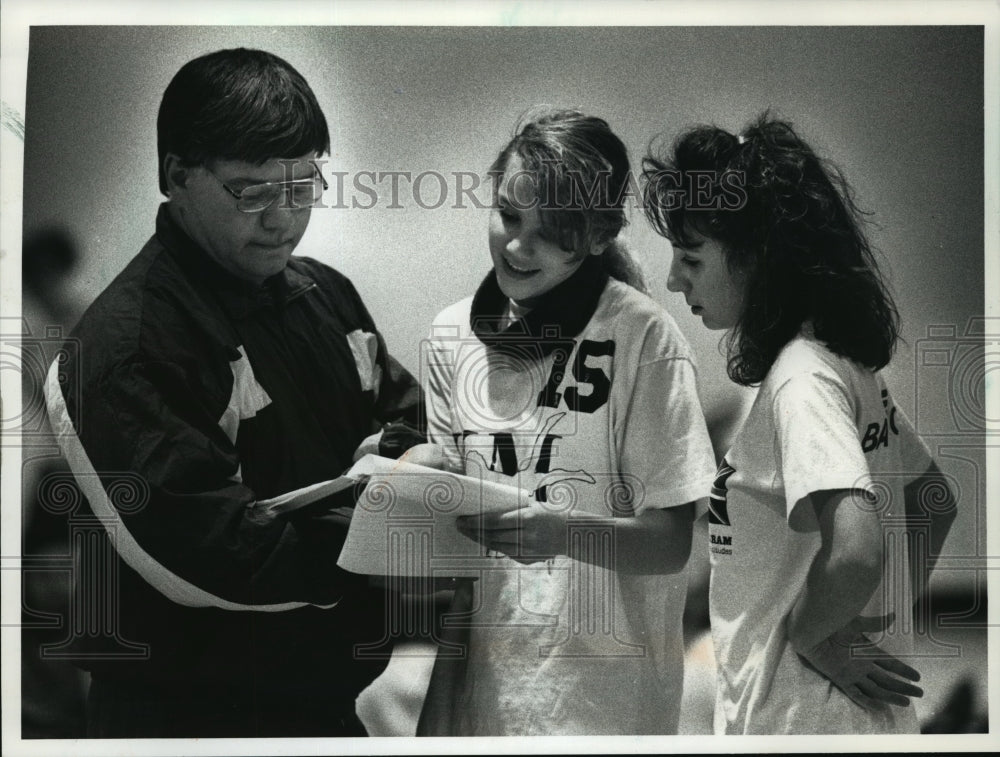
<point x="504" y="457"/>
<point x="877" y="434"/>
<point x="718" y="512"/>
<point x="592" y="378"/>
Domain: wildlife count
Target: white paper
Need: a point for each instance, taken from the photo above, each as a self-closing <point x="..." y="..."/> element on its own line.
<point x="404" y="521"/>
<point x="291" y="501"/>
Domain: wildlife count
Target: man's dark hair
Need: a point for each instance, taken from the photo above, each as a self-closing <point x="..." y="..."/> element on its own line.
<point x="238" y="104"/>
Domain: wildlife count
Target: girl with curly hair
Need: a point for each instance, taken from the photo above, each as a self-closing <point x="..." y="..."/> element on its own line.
<point x="806" y="507"/>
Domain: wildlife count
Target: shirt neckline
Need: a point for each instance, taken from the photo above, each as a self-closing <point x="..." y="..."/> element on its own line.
<point x="559" y="315"/>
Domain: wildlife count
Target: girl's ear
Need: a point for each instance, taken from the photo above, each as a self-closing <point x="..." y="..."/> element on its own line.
<point x="599" y="248"/>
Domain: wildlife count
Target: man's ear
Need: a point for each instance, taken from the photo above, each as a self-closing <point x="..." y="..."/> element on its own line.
<point x="176" y="173"/>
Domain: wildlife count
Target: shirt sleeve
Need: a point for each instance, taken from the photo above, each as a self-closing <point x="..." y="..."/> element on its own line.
<point x="438" y="368"/>
<point x="817" y="438"/>
<point x="398" y="396"/>
<point x="164" y="478"/>
<point x="399" y="407"/>
<point x="665" y="443"/>
<point x="915" y="457"/>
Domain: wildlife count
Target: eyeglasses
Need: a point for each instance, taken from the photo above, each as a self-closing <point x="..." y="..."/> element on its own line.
<point x="303" y="193"/>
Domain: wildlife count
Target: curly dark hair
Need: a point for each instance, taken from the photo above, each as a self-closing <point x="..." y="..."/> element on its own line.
<point x="789" y="227"/>
<point x="582" y="176"/>
<point x="238" y="104"/>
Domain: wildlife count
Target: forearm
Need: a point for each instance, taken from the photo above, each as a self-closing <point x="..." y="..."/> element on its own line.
<point x="843" y="576"/>
<point x="826" y="623"/>
<point x="655" y="542"/>
<point x="835" y="593"/>
<point x="246" y="559"/>
<point x="930" y="512"/>
<point x="400" y="397"/>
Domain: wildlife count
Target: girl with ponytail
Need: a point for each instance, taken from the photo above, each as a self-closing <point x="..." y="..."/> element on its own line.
<point x="808" y="592"/>
<point x="561" y="377"/>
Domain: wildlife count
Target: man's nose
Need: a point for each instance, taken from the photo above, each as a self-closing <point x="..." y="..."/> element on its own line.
<point x="280" y="213"/>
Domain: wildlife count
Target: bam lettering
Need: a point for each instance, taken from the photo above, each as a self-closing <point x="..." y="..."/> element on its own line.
<point x="877" y="434"/>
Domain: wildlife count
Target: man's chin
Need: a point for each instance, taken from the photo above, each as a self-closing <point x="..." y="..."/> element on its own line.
<point x="268" y="261"/>
<point x="268" y="250"/>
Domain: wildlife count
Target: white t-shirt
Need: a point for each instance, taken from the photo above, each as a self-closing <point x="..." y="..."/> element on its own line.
<point x="567" y="647"/>
<point x="820" y="422"/>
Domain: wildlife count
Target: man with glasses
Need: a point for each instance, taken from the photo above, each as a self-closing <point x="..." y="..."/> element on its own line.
<point x="217" y="375"/>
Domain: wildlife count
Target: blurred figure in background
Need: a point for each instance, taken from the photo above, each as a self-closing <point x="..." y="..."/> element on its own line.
<point x="53" y="691"/>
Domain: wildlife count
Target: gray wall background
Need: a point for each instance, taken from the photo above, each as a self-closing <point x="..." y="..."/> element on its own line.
<point x="900" y="109"/>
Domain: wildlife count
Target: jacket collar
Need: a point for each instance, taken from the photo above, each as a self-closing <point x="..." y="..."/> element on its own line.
<point x="560" y="315"/>
<point x="240" y="297"/>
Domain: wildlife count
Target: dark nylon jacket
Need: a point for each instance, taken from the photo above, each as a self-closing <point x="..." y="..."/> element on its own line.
<point x="203" y="395"/>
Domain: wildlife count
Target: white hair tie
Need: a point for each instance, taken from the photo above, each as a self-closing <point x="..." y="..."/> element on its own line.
<point x="740" y="139"/>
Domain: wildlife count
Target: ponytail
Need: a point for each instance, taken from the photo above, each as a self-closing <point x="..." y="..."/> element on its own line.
<point x="621" y="264"/>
